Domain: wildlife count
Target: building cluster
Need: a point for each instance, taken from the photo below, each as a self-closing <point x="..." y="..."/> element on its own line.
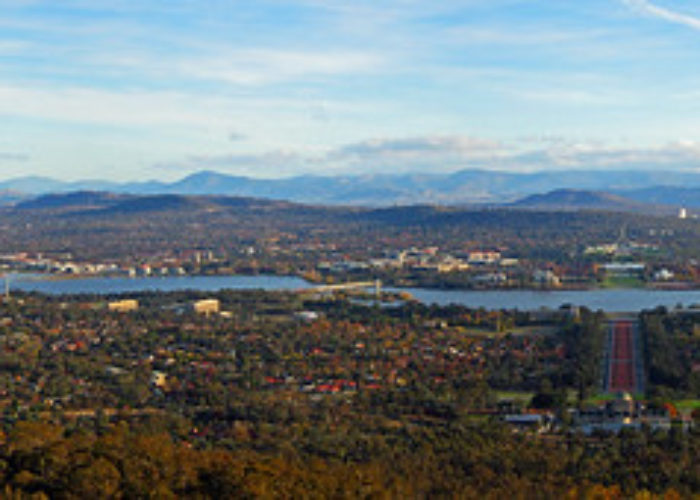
<point x="609" y="416"/>
<point x="620" y="249"/>
<point x="66" y="264"/>
<point x="55" y="264"/>
<point x="432" y="259"/>
<point x="469" y="266"/>
<point x="624" y="260"/>
<point x="621" y="413"/>
<point x="205" y="307"/>
<point x="684" y="213"/>
<point x="482" y="268"/>
<point x="486" y="265"/>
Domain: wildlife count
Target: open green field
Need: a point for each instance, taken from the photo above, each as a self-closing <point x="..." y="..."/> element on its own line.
<point x="533" y="330"/>
<point x="622" y="282"/>
<point x="481" y="332"/>
<point x="603" y="397"/>
<point x="688" y="404"/>
<point x="520" y="331"/>
<point x="522" y="396"/>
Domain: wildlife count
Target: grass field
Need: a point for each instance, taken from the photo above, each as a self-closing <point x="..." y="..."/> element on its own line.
<point x="598" y="399"/>
<point x="520" y="331"/>
<point x="603" y="397"/>
<point x="688" y="404"/>
<point x="622" y="282"/>
<point x="521" y="396"/>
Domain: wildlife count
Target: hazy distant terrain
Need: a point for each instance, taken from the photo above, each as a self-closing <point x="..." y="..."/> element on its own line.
<point x="574" y="199"/>
<point x="463" y="187"/>
<point x="99" y="224"/>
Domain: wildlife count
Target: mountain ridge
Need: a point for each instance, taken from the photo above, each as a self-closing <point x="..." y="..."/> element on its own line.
<point x="465" y="186"/>
<point x="103" y="202"/>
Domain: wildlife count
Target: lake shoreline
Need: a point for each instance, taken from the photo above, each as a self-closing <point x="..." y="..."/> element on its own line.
<point x="613" y="300"/>
<point x="48" y="277"/>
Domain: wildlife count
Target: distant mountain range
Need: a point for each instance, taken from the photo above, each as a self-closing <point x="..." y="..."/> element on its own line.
<point x="105" y="203"/>
<point x="463" y="187"/>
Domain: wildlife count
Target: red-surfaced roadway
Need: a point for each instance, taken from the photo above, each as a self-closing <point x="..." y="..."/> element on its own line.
<point x="621" y="368"/>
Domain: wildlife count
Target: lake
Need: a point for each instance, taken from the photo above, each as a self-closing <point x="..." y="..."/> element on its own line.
<point x="612" y="300"/>
<point x="103" y="286"/>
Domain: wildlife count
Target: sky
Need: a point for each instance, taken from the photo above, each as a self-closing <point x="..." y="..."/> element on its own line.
<point x="158" y="89"/>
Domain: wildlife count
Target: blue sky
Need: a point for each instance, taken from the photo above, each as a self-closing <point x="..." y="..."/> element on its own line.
<point x="128" y="90"/>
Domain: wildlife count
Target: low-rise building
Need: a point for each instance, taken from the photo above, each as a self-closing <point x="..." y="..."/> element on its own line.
<point x="530" y="422"/>
<point x="449" y="264"/>
<point x="545" y="277"/>
<point x="126" y="305"/>
<point x="308" y="316"/>
<point x="206" y="306"/>
<point x="484" y="257"/>
<point x="663" y="275"/>
<point x="618" y="414"/>
<point x="158" y="379"/>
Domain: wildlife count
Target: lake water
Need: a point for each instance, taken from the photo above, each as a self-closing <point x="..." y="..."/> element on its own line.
<point x="103" y="286"/>
<point x="608" y="300"/>
<point x="616" y="300"/>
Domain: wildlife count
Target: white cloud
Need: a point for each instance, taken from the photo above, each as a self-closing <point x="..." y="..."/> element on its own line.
<point x="389" y="155"/>
<point x="420" y="148"/>
<point x="580" y="96"/>
<point x="518" y="37"/>
<point x="85" y="105"/>
<point x="680" y="155"/>
<point x="277" y="163"/>
<point x="662" y="13"/>
<point x="145" y="108"/>
<point x="451" y="153"/>
<point x="249" y="67"/>
<point x="258" y="67"/>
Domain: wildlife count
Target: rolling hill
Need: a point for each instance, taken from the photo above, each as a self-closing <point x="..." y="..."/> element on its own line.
<point x="574" y="199"/>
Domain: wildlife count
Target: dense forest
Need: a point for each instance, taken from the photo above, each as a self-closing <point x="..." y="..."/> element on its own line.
<point x="446" y="460"/>
<point x="672" y="351"/>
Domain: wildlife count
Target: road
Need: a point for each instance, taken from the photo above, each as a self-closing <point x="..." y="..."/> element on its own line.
<point x="624" y="367"/>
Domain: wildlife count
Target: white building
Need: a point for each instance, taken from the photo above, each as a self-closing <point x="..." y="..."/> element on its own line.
<point x="663" y="275"/>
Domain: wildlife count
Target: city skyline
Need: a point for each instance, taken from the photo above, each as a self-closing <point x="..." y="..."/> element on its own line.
<point x="132" y="90"/>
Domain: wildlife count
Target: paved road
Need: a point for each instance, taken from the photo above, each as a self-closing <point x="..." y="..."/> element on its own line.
<point x="623" y="367"/>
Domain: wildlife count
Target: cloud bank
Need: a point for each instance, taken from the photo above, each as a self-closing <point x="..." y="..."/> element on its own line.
<point x="433" y="154"/>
